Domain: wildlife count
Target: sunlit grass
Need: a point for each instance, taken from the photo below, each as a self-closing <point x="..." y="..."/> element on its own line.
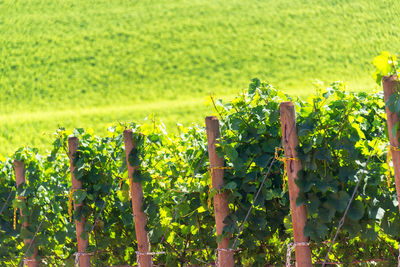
<point x="90" y="63"/>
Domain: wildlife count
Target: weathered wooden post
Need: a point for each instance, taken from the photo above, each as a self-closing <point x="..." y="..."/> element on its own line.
<point x="145" y="258"/>
<point x="84" y="259"/>
<point x="299" y="213"/>
<point x="221" y="205"/>
<point x="19" y="168"/>
<point x="391" y="84"/>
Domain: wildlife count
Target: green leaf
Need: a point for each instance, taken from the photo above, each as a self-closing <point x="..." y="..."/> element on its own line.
<point x="231" y="185"/>
<point x="326" y="213"/>
<point x="155" y="235"/>
<point x="79" y="196"/>
<point x="391" y="102"/>
<point x="395" y="128"/>
<point x="231" y="153"/>
<point x="134" y="159"/>
<point x="352" y="227"/>
<point x="316" y="230"/>
<point x="391" y="227"/>
<point x="323" y="154"/>
<point x="346" y="173"/>
<point x="338" y="200"/>
<point x="356" y="210"/>
<point x="219" y="238"/>
<point x="397" y="107"/>
<point x="140" y="176"/>
<point x="313" y="204"/>
<point x="154" y="138"/>
<point x="263" y="160"/>
<point x="369" y="233"/>
<point x="84" y="235"/>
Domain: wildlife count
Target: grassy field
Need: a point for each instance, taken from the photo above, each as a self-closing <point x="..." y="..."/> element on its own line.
<point x="89" y="63"/>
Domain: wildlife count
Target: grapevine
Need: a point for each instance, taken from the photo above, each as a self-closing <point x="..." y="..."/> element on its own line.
<point x="336" y="129"/>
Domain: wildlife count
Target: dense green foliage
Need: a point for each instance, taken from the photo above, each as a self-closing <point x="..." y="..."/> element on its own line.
<point x="88" y="64"/>
<point x="338" y="132"/>
<point x="42" y="200"/>
<point x="250" y="133"/>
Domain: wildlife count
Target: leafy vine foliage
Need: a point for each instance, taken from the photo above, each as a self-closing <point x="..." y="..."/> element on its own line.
<point x="41" y="200"/>
<point x="337" y="132"/>
<point x="8" y="248"/>
<point x="250" y="134"/>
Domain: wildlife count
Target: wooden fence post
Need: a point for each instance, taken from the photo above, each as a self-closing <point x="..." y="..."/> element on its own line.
<point x="390" y="85"/>
<point x="19" y="168"/>
<point x="84" y="259"/>
<point x="221" y="205"/>
<point x="299" y="213"/>
<point x="137" y="200"/>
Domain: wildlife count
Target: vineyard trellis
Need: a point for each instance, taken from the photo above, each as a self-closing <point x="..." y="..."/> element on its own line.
<point x="142" y="195"/>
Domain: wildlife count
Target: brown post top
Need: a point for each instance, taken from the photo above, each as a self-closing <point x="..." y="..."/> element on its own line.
<point x="139" y="216"/>
<point x="390" y="86"/>
<point x="299" y="214"/>
<point x="84" y="260"/>
<point x="19" y="168"/>
<point x="221" y="205"/>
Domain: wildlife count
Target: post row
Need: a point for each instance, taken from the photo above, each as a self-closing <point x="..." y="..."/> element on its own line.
<point x="221" y="206"/>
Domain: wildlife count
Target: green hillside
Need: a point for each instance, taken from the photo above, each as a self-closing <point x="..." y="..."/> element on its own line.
<point x="90" y="63"/>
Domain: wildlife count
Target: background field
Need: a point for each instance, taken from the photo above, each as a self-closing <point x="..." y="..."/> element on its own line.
<point x="89" y="63"/>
